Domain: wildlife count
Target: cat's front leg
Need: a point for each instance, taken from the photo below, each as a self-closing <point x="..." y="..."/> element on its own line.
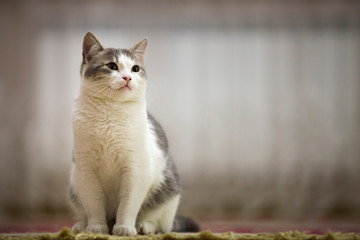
<point x="134" y="187"/>
<point x="92" y="199"/>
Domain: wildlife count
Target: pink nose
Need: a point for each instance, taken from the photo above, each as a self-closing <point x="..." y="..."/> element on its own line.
<point x="127" y="78"/>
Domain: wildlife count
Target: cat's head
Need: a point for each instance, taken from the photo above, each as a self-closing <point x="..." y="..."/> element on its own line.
<point x="113" y="74"/>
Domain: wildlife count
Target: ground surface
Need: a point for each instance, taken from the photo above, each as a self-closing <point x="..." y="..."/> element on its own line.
<point x="258" y="226"/>
<point x="66" y="234"/>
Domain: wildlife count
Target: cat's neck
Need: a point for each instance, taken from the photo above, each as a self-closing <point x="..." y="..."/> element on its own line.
<point x="106" y="106"/>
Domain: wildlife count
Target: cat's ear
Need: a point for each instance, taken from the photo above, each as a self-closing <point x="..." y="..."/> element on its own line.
<point x="139" y="50"/>
<point x="91" y="45"/>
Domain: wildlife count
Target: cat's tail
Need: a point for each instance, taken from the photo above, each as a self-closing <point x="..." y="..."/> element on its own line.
<point x="185" y="224"/>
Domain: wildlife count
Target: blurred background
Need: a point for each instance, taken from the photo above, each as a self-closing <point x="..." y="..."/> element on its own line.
<point x="260" y="101"/>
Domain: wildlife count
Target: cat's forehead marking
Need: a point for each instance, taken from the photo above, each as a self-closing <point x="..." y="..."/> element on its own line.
<point x="124" y="60"/>
<point x="113" y="54"/>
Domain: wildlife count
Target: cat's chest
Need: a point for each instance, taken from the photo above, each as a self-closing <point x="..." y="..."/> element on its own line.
<point x="103" y="128"/>
<point x="110" y="136"/>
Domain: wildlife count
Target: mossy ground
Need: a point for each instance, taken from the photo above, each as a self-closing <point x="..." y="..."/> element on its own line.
<point x="66" y="234"/>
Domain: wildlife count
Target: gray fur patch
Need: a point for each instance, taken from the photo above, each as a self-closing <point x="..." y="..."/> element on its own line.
<point x="112" y="54"/>
<point x="72" y="196"/>
<point x="171" y="184"/>
<point x="167" y="189"/>
<point x="95" y="70"/>
<point x="162" y="140"/>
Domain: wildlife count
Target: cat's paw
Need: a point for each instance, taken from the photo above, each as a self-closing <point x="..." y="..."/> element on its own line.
<point x="78" y="227"/>
<point x="98" y="228"/>
<point x="124" y="230"/>
<point x="145" y="228"/>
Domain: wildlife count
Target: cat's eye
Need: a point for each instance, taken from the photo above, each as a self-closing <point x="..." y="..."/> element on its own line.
<point x="112" y="66"/>
<point x="135" y="68"/>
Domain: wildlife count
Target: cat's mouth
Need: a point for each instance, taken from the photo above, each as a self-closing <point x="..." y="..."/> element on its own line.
<point x="126" y="87"/>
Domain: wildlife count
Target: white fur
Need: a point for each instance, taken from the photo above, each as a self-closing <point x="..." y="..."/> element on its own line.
<point x="117" y="158"/>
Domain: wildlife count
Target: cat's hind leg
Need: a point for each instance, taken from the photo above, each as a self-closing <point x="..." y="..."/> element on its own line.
<point x="159" y="219"/>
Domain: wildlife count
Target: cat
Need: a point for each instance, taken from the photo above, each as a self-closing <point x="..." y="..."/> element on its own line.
<point x="123" y="180"/>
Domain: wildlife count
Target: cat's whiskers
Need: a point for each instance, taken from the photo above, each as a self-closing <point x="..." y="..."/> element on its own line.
<point x="100" y="87"/>
<point x="92" y="86"/>
<point x="109" y="91"/>
<point x="101" y="90"/>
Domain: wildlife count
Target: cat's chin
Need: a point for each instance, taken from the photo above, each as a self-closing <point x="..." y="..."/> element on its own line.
<point x="124" y="91"/>
<point x="123" y="94"/>
<point x="124" y="88"/>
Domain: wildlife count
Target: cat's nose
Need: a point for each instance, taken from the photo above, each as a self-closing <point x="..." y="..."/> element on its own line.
<point x="127" y="78"/>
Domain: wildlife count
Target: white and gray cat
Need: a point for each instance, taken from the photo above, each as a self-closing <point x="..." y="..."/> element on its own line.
<point x="123" y="180"/>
